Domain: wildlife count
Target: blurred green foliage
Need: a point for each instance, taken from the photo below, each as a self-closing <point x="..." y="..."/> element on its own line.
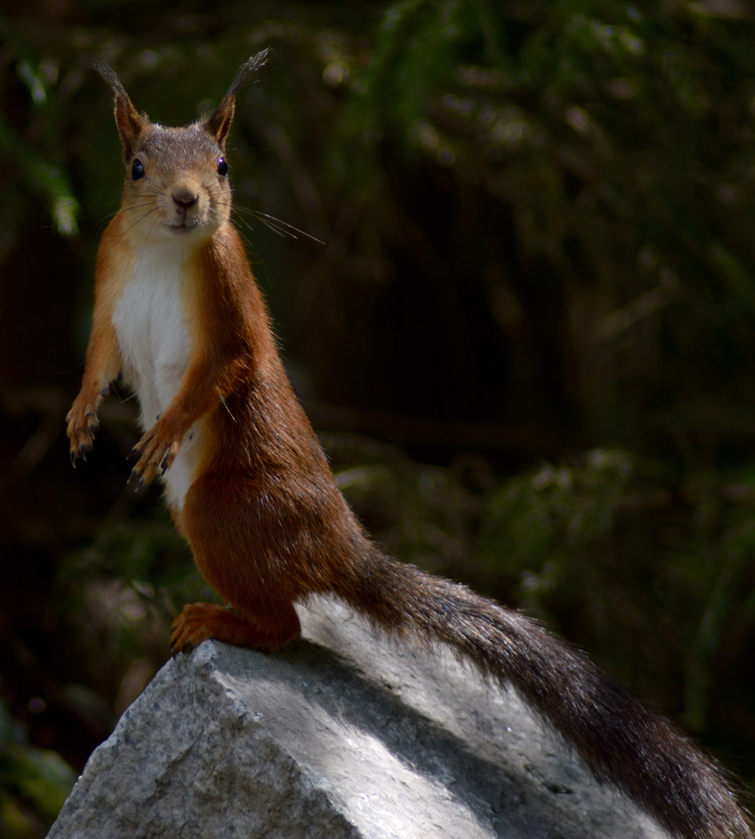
<point x="42" y="172"/>
<point x="34" y="783"/>
<point x="619" y="137"/>
<point x="528" y="337"/>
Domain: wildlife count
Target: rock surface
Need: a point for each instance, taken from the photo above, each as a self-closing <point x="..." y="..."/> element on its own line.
<point x="341" y="734"/>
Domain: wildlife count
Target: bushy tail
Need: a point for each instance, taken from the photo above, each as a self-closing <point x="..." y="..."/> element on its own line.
<point x="622" y="742"/>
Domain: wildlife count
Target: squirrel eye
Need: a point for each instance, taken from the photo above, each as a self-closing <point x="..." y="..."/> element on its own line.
<point x="222" y="166"/>
<point x="137" y="170"/>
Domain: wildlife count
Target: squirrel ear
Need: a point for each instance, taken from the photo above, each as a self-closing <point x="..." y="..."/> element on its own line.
<point x="130" y="122"/>
<point x="218" y="123"/>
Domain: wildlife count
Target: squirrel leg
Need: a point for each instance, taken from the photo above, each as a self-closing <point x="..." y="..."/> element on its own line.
<point x="216" y="519"/>
<point x="102" y="366"/>
<point x="200" y="621"/>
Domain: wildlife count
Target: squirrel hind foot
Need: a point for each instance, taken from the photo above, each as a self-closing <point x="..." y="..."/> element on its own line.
<point x="202" y="621"/>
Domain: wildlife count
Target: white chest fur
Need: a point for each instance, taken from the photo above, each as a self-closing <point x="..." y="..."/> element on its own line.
<point x="154" y="338"/>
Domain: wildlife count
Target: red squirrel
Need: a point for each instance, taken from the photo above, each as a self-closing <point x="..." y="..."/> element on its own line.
<point x="179" y="315"/>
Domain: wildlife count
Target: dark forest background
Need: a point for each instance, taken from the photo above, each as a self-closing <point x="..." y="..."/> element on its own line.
<point x="526" y="336"/>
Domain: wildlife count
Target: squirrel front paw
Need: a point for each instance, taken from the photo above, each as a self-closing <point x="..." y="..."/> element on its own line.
<point x="82" y="425"/>
<point x="155" y="451"/>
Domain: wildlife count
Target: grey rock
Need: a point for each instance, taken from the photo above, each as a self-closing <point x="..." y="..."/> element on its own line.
<point x="341" y="734"/>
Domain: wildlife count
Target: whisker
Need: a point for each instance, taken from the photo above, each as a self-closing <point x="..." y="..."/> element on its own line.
<point x="282" y="228"/>
<point x="158" y="186"/>
<point x="149" y="232"/>
<point x="225" y="405"/>
<point x="247" y="225"/>
<point x="138" y="220"/>
<point x="270" y="225"/>
<point x="138" y="206"/>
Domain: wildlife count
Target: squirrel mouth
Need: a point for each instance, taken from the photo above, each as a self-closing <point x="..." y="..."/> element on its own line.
<point x="183" y="227"/>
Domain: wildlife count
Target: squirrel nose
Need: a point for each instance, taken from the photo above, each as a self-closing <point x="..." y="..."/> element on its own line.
<point x="185" y="197"/>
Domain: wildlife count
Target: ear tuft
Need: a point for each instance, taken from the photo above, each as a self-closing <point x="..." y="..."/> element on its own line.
<point x="218" y="123"/>
<point x="130" y="122"/>
<point x="248" y="71"/>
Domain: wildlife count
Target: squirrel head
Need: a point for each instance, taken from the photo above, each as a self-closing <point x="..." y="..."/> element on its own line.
<point x="177" y="177"/>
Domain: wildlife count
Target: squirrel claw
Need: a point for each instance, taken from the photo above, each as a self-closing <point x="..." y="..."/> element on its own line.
<point x="80" y="452"/>
<point x="82" y="424"/>
<point x="154" y="456"/>
<point x="140" y="480"/>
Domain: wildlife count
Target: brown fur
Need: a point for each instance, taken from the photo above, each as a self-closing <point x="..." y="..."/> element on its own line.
<point x="268" y="526"/>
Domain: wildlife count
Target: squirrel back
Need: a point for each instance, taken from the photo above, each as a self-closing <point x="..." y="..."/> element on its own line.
<point x="178" y="311"/>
